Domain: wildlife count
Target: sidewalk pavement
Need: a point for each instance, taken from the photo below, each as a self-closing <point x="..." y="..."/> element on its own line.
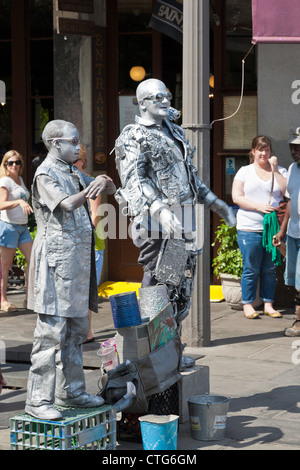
<point x="250" y="361"/>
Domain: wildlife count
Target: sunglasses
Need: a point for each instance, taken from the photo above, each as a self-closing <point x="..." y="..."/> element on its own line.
<point x="74" y="141"/>
<point x="159" y="97"/>
<point x="15" y="162"/>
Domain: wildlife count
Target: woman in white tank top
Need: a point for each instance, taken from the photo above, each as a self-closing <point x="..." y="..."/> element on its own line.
<point x="14" y="207"/>
<point x="251" y="192"/>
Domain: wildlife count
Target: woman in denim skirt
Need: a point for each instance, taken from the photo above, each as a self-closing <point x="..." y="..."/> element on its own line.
<point x="14" y="212"/>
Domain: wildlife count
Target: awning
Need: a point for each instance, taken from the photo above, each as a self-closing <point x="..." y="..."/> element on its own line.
<point x="276" y="21"/>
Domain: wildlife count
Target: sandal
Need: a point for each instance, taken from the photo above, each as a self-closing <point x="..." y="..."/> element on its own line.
<point x="252" y="316"/>
<point x="9" y="307"/>
<point x="274" y="314"/>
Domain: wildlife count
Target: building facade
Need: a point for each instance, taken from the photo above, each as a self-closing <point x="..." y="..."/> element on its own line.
<point x="77" y="60"/>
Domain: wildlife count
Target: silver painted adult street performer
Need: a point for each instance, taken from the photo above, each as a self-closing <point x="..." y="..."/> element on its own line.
<point x="62" y="281"/>
<point x="161" y="188"/>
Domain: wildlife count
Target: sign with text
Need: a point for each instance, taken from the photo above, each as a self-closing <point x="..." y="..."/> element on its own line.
<point x="167" y="17"/>
<point x="79" y="27"/>
<point x="79" y="6"/>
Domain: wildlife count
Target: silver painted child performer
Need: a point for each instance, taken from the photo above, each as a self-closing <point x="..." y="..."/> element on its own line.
<point x="62" y="280"/>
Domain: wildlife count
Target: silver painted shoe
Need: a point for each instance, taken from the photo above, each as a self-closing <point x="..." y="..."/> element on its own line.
<point x="83" y="401"/>
<point x="45" y="412"/>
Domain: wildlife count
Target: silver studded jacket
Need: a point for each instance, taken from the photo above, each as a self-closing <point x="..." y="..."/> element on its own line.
<point x="155" y="168"/>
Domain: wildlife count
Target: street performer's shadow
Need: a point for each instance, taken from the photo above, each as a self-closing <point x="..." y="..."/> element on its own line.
<point x="278" y="407"/>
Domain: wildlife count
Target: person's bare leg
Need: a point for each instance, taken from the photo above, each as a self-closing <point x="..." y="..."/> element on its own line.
<point x="249" y="311"/>
<point x="26" y="250"/>
<point x="90" y="335"/>
<point x="7" y="257"/>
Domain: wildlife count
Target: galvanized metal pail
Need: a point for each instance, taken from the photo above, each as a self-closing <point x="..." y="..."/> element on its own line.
<point x="208" y="415"/>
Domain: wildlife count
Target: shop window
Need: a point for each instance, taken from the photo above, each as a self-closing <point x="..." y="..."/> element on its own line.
<point x="41" y="68"/>
<point x="5" y="76"/>
<point x="135" y="41"/>
<point x="5" y="14"/>
<point x="41" y="18"/>
<point x="238" y="43"/>
<point x="136" y="49"/>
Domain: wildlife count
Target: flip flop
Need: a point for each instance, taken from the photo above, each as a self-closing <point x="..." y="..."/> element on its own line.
<point x="9" y="307"/>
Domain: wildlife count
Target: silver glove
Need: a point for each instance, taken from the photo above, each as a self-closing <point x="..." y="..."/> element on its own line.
<point x="224" y="211"/>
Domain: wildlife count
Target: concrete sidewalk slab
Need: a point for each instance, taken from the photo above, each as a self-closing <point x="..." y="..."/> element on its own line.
<point x="250" y="361"/>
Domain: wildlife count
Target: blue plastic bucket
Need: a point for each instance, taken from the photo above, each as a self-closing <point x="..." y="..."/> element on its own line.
<point x="159" y="432"/>
<point x="125" y="309"/>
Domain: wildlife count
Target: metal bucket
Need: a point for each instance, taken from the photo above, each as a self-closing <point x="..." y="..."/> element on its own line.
<point x="208" y="415"/>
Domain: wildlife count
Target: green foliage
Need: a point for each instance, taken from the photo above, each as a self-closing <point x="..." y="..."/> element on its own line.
<point x="229" y="258"/>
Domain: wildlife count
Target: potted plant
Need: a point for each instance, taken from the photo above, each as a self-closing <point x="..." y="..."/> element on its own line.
<point x="228" y="266"/>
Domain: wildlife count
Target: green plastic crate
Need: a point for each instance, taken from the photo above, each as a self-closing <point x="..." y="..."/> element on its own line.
<point x="80" y="429"/>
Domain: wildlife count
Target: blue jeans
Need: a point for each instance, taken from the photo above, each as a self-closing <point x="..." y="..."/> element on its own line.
<point x="292" y="271"/>
<point x="256" y="262"/>
<point x="99" y="264"/>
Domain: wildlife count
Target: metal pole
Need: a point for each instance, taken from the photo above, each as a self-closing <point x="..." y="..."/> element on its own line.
<point x="196" y="119"/>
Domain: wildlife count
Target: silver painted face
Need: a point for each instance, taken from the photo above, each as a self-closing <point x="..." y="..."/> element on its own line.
<point x="155" y="102"/>
<point x="67" y="147"/>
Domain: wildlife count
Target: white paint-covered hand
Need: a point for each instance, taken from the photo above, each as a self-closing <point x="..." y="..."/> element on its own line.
<point x="224" y="211"/>
<point x="101" y="184"/>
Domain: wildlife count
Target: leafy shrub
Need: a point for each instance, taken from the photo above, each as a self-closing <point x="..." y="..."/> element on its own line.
<point x="229" y="258"/>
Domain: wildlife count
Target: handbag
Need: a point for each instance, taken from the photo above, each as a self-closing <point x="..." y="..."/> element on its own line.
<point x="116" y="388"/>
<point x="150" y="375"/>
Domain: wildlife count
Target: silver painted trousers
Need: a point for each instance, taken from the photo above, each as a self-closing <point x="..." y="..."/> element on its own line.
<point x="56" y="359"/>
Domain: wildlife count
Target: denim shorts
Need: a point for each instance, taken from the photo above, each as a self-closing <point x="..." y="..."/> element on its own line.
<point x="292" y="270"/>
<point x="13" y="235"/>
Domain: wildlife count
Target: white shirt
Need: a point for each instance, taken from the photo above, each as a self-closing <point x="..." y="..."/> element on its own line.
<point x="257" y="190"/>
<point x="15" y="191"/>
<point x="293" y="193"/>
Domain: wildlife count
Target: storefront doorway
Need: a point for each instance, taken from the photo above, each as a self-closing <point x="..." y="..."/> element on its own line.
<point x="26" y="51"/>
<point x="157" y="56"/>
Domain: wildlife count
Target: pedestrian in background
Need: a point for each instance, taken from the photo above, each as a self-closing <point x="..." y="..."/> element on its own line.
<point x="81" y="164"/>
<point x="251" y="191"/>
<point x="15" y="209"/>
<point x="291" y="229"/>
<point x="2" y="381"/>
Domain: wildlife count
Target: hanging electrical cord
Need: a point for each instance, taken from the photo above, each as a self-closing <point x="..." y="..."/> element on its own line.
<point x="242" y="90"/>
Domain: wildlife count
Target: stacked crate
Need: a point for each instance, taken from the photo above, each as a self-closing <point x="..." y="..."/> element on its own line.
<point x="86" y="429"/>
